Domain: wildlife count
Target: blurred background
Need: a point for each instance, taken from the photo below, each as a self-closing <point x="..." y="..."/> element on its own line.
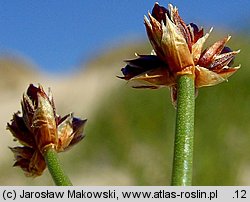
<point x="78" y="47"/>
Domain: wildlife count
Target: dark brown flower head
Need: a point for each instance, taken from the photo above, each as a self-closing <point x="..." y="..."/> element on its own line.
<point x="178" y="50"/>
<point x="39" y="127"/>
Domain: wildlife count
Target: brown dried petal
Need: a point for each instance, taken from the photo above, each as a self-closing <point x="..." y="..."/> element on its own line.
<point x="156" y="29"/>
<point x="198" y="46"/>
<point x="141" y="64"/>
<point x="181" y="26"/>
<point x="44" y="125"/>
<point x="22" y="152"/>
<point x="227" y="71"/>
<point x="195" y="32"/>
<point x="205" y="77"/>
<point x="32" y="92"/>
<point x="177" y="53"/>
<point x="78" y="127"/>
<point x="20" y="131"/>
<point x="70" y="132"/>
<point x="208" y="56"/>
<point x="159" y="13"/>
<point x="222" y="60"/>
<point x="31" y="161"/>
<point x="154" y="32"/>
<point x="37" y="165"/>
<point x="28" y="111"/>
<point x="153" y="78"/>
<point x="65" y="131"/>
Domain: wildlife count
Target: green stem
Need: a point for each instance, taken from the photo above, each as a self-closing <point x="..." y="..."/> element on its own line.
<point x="184" y="132"/>
<point x="55" y="169"/>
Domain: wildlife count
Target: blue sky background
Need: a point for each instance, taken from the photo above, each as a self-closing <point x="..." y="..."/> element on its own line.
<point x="58" y="35"/>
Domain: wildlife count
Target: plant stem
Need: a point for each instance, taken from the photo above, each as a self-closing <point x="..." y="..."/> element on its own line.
<point x="184" y="132"/>
<point x="55" y="169"/>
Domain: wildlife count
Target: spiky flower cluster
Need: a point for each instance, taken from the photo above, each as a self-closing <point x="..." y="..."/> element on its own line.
<point x="177" y="50"/>
<point x="38" y="128"/>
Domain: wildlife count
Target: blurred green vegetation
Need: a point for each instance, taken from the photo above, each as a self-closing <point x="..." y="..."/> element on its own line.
<point x="133" y="130"/>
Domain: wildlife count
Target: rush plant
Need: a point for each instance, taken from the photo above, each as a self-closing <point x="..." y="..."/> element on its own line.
<point x="179" y="61"/>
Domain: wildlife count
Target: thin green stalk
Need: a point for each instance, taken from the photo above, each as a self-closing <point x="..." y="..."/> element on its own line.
<point x="184" y="132"/>
<point x="55" y="169"/>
